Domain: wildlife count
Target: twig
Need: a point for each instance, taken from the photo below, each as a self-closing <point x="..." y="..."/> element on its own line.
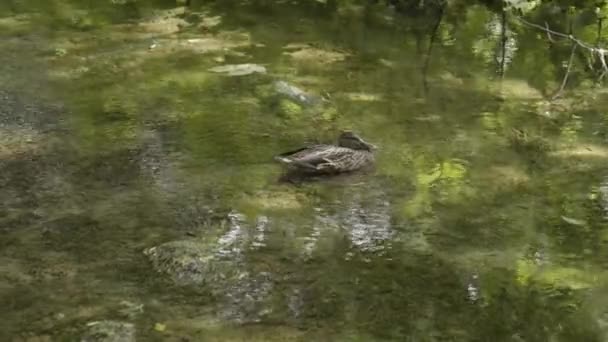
<point x="549" y="33"/>
<point x="561" y="88"/>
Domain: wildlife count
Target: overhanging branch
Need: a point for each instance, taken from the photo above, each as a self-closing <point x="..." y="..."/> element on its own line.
<point x="594" y="51"/>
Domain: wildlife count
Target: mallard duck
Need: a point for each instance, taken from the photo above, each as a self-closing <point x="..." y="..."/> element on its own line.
<point x="350" y="154"/>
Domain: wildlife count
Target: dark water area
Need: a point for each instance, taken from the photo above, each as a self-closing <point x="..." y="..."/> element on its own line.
<point x="140" y="199"/>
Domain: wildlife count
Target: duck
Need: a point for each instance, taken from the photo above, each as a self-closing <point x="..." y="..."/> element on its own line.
<point x="351" y="153"/>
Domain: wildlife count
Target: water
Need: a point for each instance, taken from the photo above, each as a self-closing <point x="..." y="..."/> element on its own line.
<point x="484" y="218"/>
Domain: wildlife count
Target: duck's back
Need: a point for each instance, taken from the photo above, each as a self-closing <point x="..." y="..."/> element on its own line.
<point x="327" y="158"/>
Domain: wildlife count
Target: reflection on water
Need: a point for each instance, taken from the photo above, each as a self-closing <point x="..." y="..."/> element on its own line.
<point x="232" y="242"/>
<point x="367" y="223"/>
<point x="369" y="227"/>
<point x="604" y="195"/>
<point x="247" y="299"/>
<point x="141" y="201"/>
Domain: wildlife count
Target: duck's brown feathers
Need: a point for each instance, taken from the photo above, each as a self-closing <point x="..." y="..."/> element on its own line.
<point x="326" y="159"/>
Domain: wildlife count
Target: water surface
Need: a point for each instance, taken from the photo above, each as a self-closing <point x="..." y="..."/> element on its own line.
<point x="483" y="220"/>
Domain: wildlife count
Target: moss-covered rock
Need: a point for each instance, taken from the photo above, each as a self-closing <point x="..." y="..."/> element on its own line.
<point x="187" y="262"/>
<point x="289" y="109"/>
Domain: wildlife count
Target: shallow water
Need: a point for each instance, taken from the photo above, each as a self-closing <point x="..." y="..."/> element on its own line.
<point x="484" y="218"/>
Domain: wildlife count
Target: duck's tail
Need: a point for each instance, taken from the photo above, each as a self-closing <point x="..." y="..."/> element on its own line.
<point x="283" y="160"/>
<point x="295" y="164"/>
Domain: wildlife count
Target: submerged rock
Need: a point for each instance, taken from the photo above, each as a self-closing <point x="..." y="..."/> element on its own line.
<point x="239" y="69"/>
<point x="363" y="97"/>
<point x="185" y="262"/>
<point x="244" y="295"/>
<point x="312" y="55"/>
<point x="109" y="331"/>
<point x="293" y="102"/>
<point x="17" y="140"/>
<point x="296" y="94"/>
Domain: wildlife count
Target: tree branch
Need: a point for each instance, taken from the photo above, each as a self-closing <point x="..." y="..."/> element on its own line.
<point x="555" y="33"/>
<point x="594" y="51"/>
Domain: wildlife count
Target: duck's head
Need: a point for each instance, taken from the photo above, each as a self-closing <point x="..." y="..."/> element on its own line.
<point x="351" y="140"/>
